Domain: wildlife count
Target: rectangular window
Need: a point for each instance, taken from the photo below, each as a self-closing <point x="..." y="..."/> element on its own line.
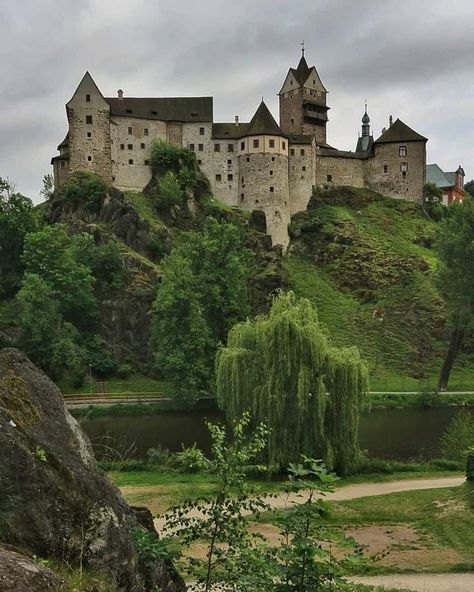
<point x="88" y="98"/>
<point x="230" y="177"/>
<point x="130" y="146"/>
<point x="242" y="145"/>
<point x="63" y="164"/>
<point x="302" y="151"/>
<point x="402" y="151"/>
<point x="122" y="146"/>
<point x="273" y="159"/>
<point x="142" y="146"/>
<point x="201" y="131"/>
<point x="385" y="168"/>
<point x="229" y="162"/>
<point x="283" y="145"/>
<point x="145" y="132"/>
<point x="292" y="151"/>
<point x="130" y="131"/>
<point x="88" y="118"/>
<point x="256" y="143"/>
<point x="303" y="168"/>
<point x="217" y="147"/>
<point x="329" y="178"/>
<point x="89" y="158"/>
<point x="404" y="167"/>
<point x="199" y="162"/>
<point x="89" y="134"/>
<point x="271" y="189"/>
<point x="248" y="159"/>
<point x="218" y="178"/>
<point x="147" y="162"/>
<point x="271" y="173"/>
<point x="130" y="161"/>
<point x="230" y="147"/>
<point x="191" y="147"/>
<point x="271" y="143"/>
<point x="200" y="147"/>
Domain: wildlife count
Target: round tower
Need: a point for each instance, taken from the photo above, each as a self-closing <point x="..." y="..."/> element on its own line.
<point x="263" y="173"/>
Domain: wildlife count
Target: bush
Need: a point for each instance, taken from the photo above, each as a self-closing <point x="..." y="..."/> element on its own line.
<point x="85" y="188"/>
<point x="165" y="157"/>
<point x="170" y="192"/>
<point x="124" y="370"/>
<point x="458" y="437"/>
<point x="158" y="456"/>
<point x="190" y="460"/>
<point x="100" y="358"/>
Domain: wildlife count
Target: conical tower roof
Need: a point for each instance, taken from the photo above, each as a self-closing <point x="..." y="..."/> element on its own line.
<point x="263" y="122"/>
<point x="302" y="71"/>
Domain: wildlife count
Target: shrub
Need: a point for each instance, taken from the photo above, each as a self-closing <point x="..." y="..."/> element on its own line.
<point x="124" y="370"/>
<point x="165" y="157"/>
<point x="84" y="187"/>
<point x="170" y="192"/>
<point x="100" y="358"/>
<point x="458" y="437"/>
<point x="158" y="456"/>
<point x="190" y="460"/>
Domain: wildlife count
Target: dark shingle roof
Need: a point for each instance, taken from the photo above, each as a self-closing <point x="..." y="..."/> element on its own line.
<point x="229" y="130"/>
<point x="263" y="122"/>
<point x="298" y="139"/>
<point x="400" y="132"/>
<point x="183" y="109"/>
<point x="302" y="71"/>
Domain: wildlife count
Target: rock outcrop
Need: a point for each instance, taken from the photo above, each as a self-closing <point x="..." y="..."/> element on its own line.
<point x="19" y="573"/>
<point x="55" y="502"/>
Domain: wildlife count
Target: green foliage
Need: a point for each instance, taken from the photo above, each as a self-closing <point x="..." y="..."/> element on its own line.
<point x="458" y="437"/>
<point x="170" y="192"/>
<point x="282" y="367"/>
<point x="164" y="157"/>
<point x="104" y="260"/>
<point x="150" y="547"/>
<point x="190" y="460"/>
<point x="17" y="219"/>
<point x="48" y="186"/>
<point x="469" y="187"/>
<point x="433" y="197"/>
<point x="84" y="188"/>
<point x="203" y="292"/>
<point x="99" y="356"/>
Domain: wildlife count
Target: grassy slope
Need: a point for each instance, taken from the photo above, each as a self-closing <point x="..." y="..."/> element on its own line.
<point x="366" y="252"/>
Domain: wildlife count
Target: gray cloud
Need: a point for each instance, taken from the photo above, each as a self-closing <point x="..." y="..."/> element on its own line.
<point x="412" y="61"/>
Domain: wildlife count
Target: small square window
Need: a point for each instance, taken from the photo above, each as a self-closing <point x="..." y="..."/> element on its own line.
<point x="230" y="177"/>
<point x="145" y="132"/>
<point x="89" y="134"/>
<point x="242" y="145"/>
<point x="147" y="162"/>
<point x="130" y="146"/>
<point x="201" y="131"/>
<point x="273" y="159"/>
<point x="283" y="145"/>
<point x="329" y="178"/>
<point x="191" y="147"/>
<point x="256" y="143"/>
<point x="217" y="147"/>
<point x="218" y="178"/>
<point x="248" y="159"/>
<point x="271" y="173"/>
<point x="302" y="151"/>
<point x="130" y="161"/>
<point x="89" y="158"/>
<point x="292" y="151"/>
<point x="88" y="98"/>
<point x="230" y="147"/>
<point x="142" y="146"/>
<point x="385" y="168"/>
<point x="130" y="131"/>
<point x="271" y="143"/>
<point x="271" y="189"/>
<point x="88" y="118"/>
<point x="303" y="168"/>
<point x="199" y="162"/>
<point x="229" y="162"/>
<point x="122" y="146"/>
<point x="200" y="147"/>
<point x="242" y="197"/>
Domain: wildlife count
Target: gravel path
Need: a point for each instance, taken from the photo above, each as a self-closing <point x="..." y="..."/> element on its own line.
<point x="454" y="582"/>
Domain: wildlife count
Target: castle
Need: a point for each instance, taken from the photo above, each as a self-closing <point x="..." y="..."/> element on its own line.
<point x="258" y="165"/>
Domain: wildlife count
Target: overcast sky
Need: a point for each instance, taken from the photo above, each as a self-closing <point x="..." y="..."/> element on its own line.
<point x="412" y="59"/>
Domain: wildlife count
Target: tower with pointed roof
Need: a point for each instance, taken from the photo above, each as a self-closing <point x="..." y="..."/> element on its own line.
<point x="303" y="106"/>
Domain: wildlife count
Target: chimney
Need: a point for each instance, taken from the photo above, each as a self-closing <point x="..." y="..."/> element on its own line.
<point x="236" y="120"/>
<point x="120" y="94"/>
<point x="390" y="121"/>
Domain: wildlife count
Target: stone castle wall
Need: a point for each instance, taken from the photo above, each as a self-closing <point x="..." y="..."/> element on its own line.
<point x="340" y="171"/>
<point x="302" y="175"/>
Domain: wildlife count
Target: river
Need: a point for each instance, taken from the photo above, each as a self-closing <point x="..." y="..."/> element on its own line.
<point x="403" y="434"/>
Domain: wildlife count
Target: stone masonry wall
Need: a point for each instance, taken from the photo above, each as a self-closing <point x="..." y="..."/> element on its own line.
<point x="340" y="171"/>
<point x="263" y="185"/>
<point x="302" y="176"/>
<point x="392" y="183"/>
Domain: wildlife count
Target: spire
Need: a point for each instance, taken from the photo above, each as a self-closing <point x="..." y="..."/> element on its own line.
<point x="302" y="49"/>
<point x="365" y="123"/>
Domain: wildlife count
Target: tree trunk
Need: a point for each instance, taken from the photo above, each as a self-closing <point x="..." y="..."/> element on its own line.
<point x="457" y="335"/>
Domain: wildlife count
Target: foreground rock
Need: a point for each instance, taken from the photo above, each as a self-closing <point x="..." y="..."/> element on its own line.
<point x="18" y="574"/>
<point x="55" y="502"/>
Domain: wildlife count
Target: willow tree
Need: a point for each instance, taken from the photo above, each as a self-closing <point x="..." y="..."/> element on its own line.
<point x="282" y="368"/>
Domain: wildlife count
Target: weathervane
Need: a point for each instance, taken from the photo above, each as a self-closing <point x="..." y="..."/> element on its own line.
<point x="302" y="48"/>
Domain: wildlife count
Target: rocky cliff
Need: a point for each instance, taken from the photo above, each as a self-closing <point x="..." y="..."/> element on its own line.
<point x="55" y="502"/>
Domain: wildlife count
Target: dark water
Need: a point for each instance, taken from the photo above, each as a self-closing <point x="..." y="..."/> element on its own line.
<point x="403" y="434"/>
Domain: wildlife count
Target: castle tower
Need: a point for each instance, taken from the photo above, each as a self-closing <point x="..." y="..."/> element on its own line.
<point x="88" y="114"/>
<point x="263" y="173"/>
<point x="303" y="109"/>
<point x="366" y="140"/>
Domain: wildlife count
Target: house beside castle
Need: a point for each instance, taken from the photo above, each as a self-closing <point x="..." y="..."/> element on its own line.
<point x="450" y="183"/>
<point x="255" y="165"/>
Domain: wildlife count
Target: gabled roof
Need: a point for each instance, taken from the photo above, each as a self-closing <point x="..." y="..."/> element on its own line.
<point x="400" y="132"/>
<point x="263" y="122"/>
<point x="229" y="130"/>
<point x="183" y="109"/>
<point x="301" y="74"/>
<point x="86" y="79"/>
<point x="435" y="175"/>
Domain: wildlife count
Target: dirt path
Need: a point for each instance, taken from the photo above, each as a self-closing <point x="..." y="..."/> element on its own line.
<point x="349" y="492"/>
<point x="453" y="582"/>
